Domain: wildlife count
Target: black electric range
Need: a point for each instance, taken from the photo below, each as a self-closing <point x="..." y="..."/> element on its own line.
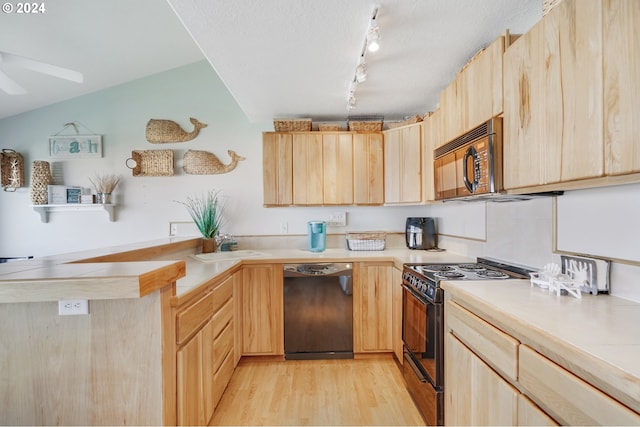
<point x="426" y="278"/>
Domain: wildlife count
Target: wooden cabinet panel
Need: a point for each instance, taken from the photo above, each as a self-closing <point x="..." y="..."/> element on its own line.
<point x="307" y="169"/>
<point x="621" y="86"/>
<point x="372" y="307"/>
<point x="262" y="310"/>
<point x="189" y="320"/>
<point x="237" y="316"/>
<point x="494" y="346"/>
<point x="396" y="308"/>
<point x="337" y="172"/>
<point x="277" y="168"/>
<point x="553" y="115"/>
<point x="368" y="169"/>
<point x="403" y="164"/>
<point x="189" y="385"/>
<point x="430" y="137"/>
<point x="566" y="397"/>
<point x="530" y="415"/>
<point x="475" y="394"/>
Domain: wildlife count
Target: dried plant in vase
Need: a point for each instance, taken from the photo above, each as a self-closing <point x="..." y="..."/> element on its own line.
<point x="104" y="185"/>
<point x="206" y="212"/>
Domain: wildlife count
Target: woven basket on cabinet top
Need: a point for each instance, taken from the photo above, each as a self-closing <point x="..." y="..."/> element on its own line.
<point x="292" y="125"/>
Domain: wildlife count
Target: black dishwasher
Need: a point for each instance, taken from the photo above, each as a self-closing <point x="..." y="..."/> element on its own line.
<point x="318" y="311"/>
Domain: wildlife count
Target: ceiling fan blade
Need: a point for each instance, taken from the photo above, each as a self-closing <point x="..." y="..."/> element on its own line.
<point x="42" y="67"/>
<point x="9" y="86"/>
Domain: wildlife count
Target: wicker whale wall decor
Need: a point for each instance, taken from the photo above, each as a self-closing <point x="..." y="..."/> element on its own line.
<point x="163" y="131"/>
<point x="197" y="162"/>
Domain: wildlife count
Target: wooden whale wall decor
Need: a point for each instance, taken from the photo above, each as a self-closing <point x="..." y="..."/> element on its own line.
<point x="162" y="131"/>
<point x="197" y="162"/>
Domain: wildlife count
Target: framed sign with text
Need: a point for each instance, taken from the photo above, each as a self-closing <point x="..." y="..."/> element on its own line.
<point x="75" y="146"/>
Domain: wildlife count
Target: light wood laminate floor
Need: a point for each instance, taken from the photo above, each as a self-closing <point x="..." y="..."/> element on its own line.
<point x="367" y="391"/>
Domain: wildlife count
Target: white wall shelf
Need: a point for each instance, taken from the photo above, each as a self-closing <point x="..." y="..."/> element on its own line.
<point x="44" y="210"/>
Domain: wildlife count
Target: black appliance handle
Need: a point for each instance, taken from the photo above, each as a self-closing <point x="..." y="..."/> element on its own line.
<point x="471" y="186"/>
<point x="415" y="369"/>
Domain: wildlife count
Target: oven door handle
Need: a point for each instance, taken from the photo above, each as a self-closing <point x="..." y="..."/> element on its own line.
<point x="415" y="294"/>
<point x="414" y="368"/>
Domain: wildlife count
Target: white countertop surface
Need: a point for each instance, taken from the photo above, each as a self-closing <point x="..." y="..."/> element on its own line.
<point x="597" y="337"/>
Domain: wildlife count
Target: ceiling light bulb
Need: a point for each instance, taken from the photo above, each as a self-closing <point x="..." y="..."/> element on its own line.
<point x="373" y="40"/>
<point x="361" y="73"/>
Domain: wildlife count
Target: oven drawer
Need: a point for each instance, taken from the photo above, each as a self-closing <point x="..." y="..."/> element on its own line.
<point x="496" y="348"/>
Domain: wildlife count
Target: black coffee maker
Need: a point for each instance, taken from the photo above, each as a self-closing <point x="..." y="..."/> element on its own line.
<point x="420" y="233"/>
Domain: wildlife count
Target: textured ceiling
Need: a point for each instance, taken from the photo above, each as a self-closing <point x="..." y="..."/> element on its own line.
<point x="277" y="57"/>
<point x="297" y="57"/>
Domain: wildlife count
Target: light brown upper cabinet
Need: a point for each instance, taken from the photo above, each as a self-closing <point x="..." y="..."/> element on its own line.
<point x="572" y="97"/>
<point x="323" y="168"/>
<point x="337" y="171"/>
<point x="368" y="169"/>
<point x="307" y="169"/>
<point x="403" y="164"/>
<point x="475" y="95"/>
<point x="430" y="137"/>
<point x="621" y="86"/>
<point x="277" y="168"/>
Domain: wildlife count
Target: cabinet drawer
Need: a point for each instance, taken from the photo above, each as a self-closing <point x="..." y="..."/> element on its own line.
<point x="222" y="346"/>
<point x="222" y="293"/>
<point x="222" y="377"/>
<point x="189" y="320"/>
<point x="566" y="397"/>
<point x="222" y="317"/>
<point x="496" y="348"/>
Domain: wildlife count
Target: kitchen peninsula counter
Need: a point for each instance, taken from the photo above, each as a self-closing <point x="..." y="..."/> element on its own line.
<point x="136" y="270"/>
<point x="595" y="337"/>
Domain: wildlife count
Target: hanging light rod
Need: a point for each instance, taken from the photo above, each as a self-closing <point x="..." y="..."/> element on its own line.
<point x="371" y="44"/>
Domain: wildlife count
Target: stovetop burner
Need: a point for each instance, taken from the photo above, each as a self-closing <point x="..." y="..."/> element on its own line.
<point x="492" y="274"/>
<point x="449" y="274"/>
<point x="472" y="267"/>
<point x="437" y="267"/>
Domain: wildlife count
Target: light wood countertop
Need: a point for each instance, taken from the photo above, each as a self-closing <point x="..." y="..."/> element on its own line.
<point x="595" y="337"/>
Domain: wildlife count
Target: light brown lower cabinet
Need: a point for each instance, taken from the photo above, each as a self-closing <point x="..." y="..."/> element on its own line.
<point x="262" y="310"/>
<point x="474" y="393"/>
<point x="396" y="309"/>
<point x="205" y="359"/>
<point x="491" y="378"/>
<point x="372" y="307"/>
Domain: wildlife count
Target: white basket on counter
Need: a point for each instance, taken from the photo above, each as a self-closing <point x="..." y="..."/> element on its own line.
<point x="366" y="241"/>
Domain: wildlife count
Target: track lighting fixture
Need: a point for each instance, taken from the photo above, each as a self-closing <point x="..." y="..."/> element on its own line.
<point x="371" y="44"/>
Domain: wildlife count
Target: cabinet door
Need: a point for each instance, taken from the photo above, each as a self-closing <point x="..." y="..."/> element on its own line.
<point x="429" y="140"/>
<point x="553" y="104"/>
<point x="307" y="168"/>
<point x="368" y="169"/>
<point x="237" y="317"/>
<point x="190" y="383"/>
<point x="483" y="83"/>
<point x="337" y="155"/>
<point x="262" y="310"/>
<point x="621" y="86"/>
<point x="475" y="394"/>
<point x="277" y="168"/>
<point x="403" y="164"/>
<point x="396" y="308"/>
<point x="372" y="307"/>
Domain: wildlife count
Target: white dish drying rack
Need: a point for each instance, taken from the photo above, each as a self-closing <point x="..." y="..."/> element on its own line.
<point x="576" y="275"/>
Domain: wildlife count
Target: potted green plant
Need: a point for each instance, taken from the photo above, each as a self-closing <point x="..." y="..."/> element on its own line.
<point x="206" y="212"/>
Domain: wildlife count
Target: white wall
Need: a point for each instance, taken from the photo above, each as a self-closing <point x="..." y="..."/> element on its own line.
<point x="146" y="205"/>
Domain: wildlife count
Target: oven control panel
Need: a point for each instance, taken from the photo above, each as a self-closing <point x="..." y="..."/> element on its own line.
<point x="419" y="284"/>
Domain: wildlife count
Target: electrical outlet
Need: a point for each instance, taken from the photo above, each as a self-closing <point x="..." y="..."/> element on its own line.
<point x="338" y="219"/>
<point x="173" y="229"/>
<point x="73" y="307"/>
<point x="284" y="227"/>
